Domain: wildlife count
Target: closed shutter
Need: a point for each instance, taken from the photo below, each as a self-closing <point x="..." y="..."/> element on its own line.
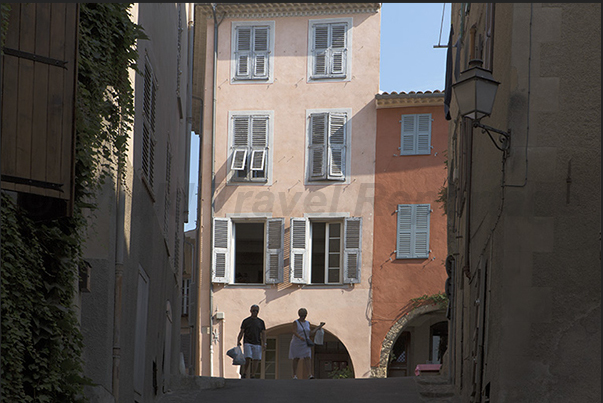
<point x="337" y="141"/>
<point x="259" y="135"/>
<point x="274" y="250"/>
<point x="338" y="49"/>
<point x="318" y="145"/>
<point x="221" y="242"/>
<point x="421" y="244"/>
<point x="352" y="256"/>
<point x="321" y="44"/>
<point x="404" y="232"/>
<point x="407" y="143"/>
<point x="240" y="142"/>
<point x="243" y="53"/>
<point x="261" y="47"/>
<point x="299" y="256"/>
<point x="424" y="134"/>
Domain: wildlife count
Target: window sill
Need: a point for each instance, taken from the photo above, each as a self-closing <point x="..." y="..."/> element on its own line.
<point x="258" y="285"/>
<point x="326" y="286"/>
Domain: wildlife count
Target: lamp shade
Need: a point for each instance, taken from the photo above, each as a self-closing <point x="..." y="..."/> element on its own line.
<point x="475" y="92"/>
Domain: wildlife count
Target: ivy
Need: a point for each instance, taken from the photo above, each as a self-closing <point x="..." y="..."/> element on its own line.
<point x="41" y="340"/>
<point x="439" y="299"/>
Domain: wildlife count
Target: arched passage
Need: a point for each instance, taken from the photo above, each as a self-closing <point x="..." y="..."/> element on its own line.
<point x="330" y="358"/>
<point x="417" y="315"/>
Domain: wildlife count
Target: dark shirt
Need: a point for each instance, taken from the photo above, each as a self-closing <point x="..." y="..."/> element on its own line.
<point x="253" y="328"/>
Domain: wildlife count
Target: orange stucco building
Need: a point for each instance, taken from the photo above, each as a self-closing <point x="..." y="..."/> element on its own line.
<point x="409" y="244"/>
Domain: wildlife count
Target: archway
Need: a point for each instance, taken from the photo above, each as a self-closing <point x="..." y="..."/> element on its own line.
<point x="422" y="317"/>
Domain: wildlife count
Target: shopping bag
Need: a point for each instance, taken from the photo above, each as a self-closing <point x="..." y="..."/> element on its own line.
<point x="319" y="336"/>
<point x="237" y="356"/>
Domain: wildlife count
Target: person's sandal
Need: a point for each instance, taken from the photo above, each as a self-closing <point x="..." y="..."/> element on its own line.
<point x="311" y="377"/>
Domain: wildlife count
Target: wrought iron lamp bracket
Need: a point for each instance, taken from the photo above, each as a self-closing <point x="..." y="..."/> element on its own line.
<point x="504" y="138"/>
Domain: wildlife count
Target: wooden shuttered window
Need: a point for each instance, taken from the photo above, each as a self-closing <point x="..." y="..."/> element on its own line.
<point x="249" y="147"/>
<point x="327" y="146"/>
<point x="274" y="251"/>
<point x="299" y="257"/>
<point x="148" y="127"/>
<point x="39" y="76"/>
<point x="221" y="250"/>
<point x="252" y="53"/>
<point x="413" y="231"/>
<point x="352" y="252"/>
<point x="329" y="50"/>
<point x="415" y="134"/>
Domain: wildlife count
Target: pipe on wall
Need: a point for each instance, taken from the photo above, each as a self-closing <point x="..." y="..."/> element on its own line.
<point x="117" y="291"/>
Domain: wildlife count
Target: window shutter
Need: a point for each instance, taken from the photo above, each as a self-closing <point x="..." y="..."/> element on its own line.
<point x="240" y="142"/>
<point x="404" y="232"/>
<point x="352" y="256"/>
<point x="338" y="48"/>
<point x="261" y="49"/>
<point x="407" y="143"/>
<point x="424" y="134"/>
<point x="220" y="265"/>
<point x="274" y="250"/>
<point x="259" y="136"/>
<point x="318" y="145"/>
<point x="337" y="141"/>
<point x="421" y="241"/>
<point x="243" y="52"/>
<point x="299" y="256"/>
<point x="257" y="160"/>
<point x="321" y="44"/>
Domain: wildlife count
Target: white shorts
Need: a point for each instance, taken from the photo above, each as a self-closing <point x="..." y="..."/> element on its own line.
<point x="252" y="351"/>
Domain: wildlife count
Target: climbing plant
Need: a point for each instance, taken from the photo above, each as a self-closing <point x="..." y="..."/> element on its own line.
<point x="41" y="340"/>
<point x="440" y="299"/>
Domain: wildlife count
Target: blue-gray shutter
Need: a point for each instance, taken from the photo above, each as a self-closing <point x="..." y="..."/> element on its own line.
<point x="352" y="250"/>
<point x="337" y="142"/>
<point x="423" y="135"/>
<point x="298" y="261"/>
<point x="413" y="231"/>
<point x="404" y="232"/>
<point x="317" y="162"/>
<point x="274" y="250"/>
<point x="421" y="236"/>
<point x="408" y="131"/>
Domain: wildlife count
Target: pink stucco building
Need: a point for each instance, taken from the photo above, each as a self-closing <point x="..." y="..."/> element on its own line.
<point x="286" y="178"/>
<point x="409" y="233"/>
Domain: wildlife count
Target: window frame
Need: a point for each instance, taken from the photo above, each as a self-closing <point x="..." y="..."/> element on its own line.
<point x="232" y="175"/>
<point x="327" y="176"/>
<point x="347" y="50"/>
<point x="416" y="135"/>
<point x="235" y="78"/>
<point x="414" y="231"/>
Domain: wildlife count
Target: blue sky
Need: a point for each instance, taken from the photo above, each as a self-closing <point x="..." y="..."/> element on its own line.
<point x="409" y="62"/>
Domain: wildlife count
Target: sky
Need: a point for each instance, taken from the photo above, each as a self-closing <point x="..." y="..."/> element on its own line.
<point x="409" y="61"/>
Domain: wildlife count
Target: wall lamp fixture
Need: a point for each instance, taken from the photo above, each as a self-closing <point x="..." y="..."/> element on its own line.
<point x="475" y="92"/>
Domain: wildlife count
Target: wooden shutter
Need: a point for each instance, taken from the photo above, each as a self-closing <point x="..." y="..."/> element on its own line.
<point x="424" y="134"/>
<point x="240" y="128"/>
<point x="261" y="37"/>
<point x="407" y="143"/>
<point x="404" y="232"/>
<point x="243" y="52"/>
<point x="338" y="49"/>
<point x="259" y="140"/>
<point x="221" y="256"/>
<point x="321" y="44"/>
<point x="274" y="250"/>
<point x="318" y="145"/>
<point x="352" y="256"/>
<point x="299" y="252"/>
<point x="421" y="233"/>
<point x="337" y="141"/>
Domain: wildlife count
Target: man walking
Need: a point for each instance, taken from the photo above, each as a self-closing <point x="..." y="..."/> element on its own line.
<point x="254" y="342"/>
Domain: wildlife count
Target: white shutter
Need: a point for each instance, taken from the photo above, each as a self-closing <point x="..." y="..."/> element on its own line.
<point x="352" y="250"/>
<point x="274" y="250"/>
<point x="261" y="48"/>
<point x="404" y="232"/>
<point x="240" y="129"/>
<point x="407" y="142"/>
<point x="338" y="49"/>
<point x="424" y="134"/>
<point x="321" y="44"/>
<point x="298" y="262"/>
<point x="337" y="141"/>
<point x="318" y="145"/>
<point x="421" y="235"/>
<point x="259" y="139"/>
<point x="221" y="257"/>
<point x="238" y="159"/>
<point x="257" y="160"/>
<point x="243" y="52"/>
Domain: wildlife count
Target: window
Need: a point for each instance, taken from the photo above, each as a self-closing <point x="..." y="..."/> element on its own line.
<point x="325" y="251"/>
<point x="186" y="286"/>
<point x="249" y="160"/>
<point x="328" y="138"/>
<point x="416" y="134"/>
<point x="252" y="46"/>
<point x="148" y="126"/>
<point x="329" y="45"/>
<point x="413" y="231"/>
<point x="248" y="251"/>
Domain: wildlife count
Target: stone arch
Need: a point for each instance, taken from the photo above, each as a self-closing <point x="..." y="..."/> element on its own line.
<point x="394" y="332"/>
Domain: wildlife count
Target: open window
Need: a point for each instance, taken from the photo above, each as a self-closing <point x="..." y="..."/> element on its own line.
<point x="249" y="136"/>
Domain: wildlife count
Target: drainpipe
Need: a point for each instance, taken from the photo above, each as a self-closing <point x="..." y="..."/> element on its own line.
<point x="119" y="266"/>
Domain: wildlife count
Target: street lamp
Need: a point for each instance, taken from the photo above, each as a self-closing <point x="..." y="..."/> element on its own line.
<point x="475" y="92"/>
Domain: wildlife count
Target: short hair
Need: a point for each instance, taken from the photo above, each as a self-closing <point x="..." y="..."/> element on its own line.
<point x="301" y="311"/>
<point x="254" y="306"/>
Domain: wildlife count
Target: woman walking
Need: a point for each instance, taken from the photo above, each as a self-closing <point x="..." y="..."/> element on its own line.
<point x="299" y="347"/>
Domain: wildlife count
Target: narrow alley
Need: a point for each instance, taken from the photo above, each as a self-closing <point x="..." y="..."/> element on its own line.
<point x="383" y="390"/>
